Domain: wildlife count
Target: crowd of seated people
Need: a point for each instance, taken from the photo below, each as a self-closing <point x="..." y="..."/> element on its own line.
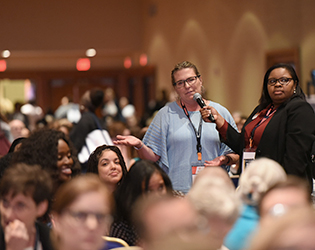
<point x="51" y="200"/>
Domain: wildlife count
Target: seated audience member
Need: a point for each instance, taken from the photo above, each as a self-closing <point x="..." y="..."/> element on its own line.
<point x="5" y="134"/>
<point x="108" y="163"/>
<point x="18" y="129"/>
<point x="213" y="196"/>
<point x="18" y="115"/>
<point x="166" y="222"/>
<point x="218" y="176"/>
<point x="33" y="112"/>
<point x="68" y="110"/>
<point x="294" y="231"/>
<point x="5" y="161"/>
<point x="111" y="110"/>
<point x="52" y="150"/>
<point x="144" y="178"/>
<point x="4" y="142"/>
<point x="258" y="176"/>
<point x="81" y="214"/>
<point x="63" y="125"/>
<point x="24" y="196"/>
<point x="283" y="196"/>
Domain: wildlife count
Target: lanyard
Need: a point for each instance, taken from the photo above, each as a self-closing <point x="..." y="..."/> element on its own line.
<point x="36" y="237"/>
<point x="197" y="133"/>
<point x="269" y="113"/>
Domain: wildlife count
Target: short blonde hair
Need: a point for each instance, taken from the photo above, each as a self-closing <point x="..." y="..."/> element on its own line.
<point x="258" y="177"/>
<point x="213" y="197"/>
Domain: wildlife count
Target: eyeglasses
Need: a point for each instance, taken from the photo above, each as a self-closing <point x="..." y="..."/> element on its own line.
<point x="283" y="81"/>
<point x="190" y="80"/>
<point x="81" y="217"/>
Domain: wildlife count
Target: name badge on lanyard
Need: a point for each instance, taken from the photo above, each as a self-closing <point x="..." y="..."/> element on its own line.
<point x="248" y="156"/>
<point x="196" y="167"/>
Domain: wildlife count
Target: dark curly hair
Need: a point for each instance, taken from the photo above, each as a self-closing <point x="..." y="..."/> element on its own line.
<point x="41" y="148"/>
<point x="95" y="157"/>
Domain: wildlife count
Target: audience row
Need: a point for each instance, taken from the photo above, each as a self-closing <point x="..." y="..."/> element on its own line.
<point x="141" y="208"/>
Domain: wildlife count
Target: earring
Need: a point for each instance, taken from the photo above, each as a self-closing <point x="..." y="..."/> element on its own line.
<point x="202" y="89"/>
<point x="294" y="91"/>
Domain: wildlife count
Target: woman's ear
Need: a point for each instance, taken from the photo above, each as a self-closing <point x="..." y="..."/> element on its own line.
<point x="55" y="222"/>
<point x="201" y="80"/>
<point x="42" y="208"/>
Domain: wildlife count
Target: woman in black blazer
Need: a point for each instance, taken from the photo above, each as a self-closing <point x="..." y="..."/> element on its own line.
<point x="281" y="127"/>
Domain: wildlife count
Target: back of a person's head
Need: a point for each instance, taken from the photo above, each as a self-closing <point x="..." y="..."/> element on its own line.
<point x="217" y="175"/>
<point x="157" y="217"/>
<point x="293" y="230"/>
<point x="29" y="180"/>
<point x="117" y="128"/>
<point x="213" y="198"/>
<point x="140" y="213"/>
<point x="92" y="99"/>
<point x="258" y="177"/>
<point x="97" y="97"/>
<point x="167" y="222"/>
<point x="291" y="193"/>
<point x="77" y="186"/>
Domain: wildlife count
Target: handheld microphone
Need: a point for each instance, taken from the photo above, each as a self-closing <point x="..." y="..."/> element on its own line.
<point x="199" y="100"/>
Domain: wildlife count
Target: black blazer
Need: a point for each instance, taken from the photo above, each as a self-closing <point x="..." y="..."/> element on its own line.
<point x="287" y="138"/>
<point x="44" y="237"/>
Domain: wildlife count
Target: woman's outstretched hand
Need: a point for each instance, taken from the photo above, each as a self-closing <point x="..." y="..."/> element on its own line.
<point x="144" y="152"/>
<point x="128" y="140"/>
<point x="216" y="162"/>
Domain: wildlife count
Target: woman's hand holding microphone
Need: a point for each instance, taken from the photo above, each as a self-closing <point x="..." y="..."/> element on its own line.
<point x="205" y="113"/>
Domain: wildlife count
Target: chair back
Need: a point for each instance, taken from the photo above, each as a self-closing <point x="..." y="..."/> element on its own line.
<point x="113" y="242"/>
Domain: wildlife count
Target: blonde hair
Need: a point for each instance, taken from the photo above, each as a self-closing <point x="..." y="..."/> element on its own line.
<point x="258" y="177"/>
<point x="212" y="196"/>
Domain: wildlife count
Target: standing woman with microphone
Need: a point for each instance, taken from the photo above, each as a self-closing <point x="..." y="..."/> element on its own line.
<point x="281" y="127"/>
<point x="178" y="139"/>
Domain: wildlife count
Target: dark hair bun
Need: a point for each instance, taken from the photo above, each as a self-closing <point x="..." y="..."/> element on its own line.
<point x="97" y="97"/>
